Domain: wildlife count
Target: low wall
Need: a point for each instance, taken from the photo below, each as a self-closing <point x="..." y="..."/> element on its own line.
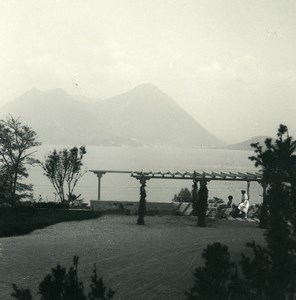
<point x="129" y="207"/>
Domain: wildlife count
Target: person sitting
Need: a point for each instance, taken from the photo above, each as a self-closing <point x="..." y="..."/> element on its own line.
<point x="226" y="211"/>
<point x="229" y="203"/>
<point x="244" y="205"/>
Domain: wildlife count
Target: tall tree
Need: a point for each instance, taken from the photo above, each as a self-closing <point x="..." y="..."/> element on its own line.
<point x="278" y="166"/>
<point x="16" y="143"/>
<point x="64" y="169"/>
<point x="271" y="271"/>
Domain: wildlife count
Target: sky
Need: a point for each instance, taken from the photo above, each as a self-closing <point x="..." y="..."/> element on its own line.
<point x="231" y="64"/>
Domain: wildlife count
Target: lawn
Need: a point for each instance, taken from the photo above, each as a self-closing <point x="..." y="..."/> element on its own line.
<point x="155" y="261"/>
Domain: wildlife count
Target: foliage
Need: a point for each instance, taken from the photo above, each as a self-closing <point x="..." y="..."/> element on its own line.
<point x="214" y="280"/>
<point x="16" y="141"/>
<point x="25" y="219"/>
<point x="63" y="285"/>
<point x="21" y="294"/>
<point x="63" y="168"/>
<point x="50" y="204"/>
<point x="142" y="202"/>
<point x="183" y="196"/>
<point x="4" y="189"/>
<point x="278" y="166"/>
<point x="271" y="272"/>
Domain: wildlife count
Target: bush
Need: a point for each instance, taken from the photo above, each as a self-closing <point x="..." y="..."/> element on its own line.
<point x="183" y="196"/>
<point x="214" y="279"/>
<point x="55" y="205"/>
<point x="63" y="285"/>
<point x="22" y="220"/>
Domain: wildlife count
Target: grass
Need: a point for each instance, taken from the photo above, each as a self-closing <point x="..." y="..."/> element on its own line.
<point x="155" y="261"/>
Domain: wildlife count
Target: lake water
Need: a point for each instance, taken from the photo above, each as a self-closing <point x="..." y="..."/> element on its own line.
<point x="123" y="187"/>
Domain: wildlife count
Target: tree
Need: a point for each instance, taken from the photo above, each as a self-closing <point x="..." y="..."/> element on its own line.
<point x="63" y="168"/>
<point x="213" y="280"/>
<point x="16" y="142"/>
<point x="271" y="272"/>
<point x="278" y="166"/>
<point x="183" y="196"/>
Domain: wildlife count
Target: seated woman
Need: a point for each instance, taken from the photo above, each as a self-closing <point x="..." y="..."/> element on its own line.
<point x="244" y="205"/>
<point x="226" y="211"/>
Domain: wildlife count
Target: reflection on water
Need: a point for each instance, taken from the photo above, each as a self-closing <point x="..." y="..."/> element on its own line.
<point x="123" y="187"/>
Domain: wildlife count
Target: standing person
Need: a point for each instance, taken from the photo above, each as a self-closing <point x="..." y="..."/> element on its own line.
<point x="244" y="205"/>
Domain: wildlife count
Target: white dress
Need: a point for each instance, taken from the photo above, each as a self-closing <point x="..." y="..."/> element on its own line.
<point x="244" y="206"/>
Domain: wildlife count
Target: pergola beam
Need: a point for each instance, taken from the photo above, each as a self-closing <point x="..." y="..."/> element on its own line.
<point x="198" y="176"/>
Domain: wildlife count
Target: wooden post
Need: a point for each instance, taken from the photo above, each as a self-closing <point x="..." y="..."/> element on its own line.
<point x="142" y="202"/>
<point x="263" y="215"/>
<point x="202" y="204"/>
<point x="248" y="189"/>
<point x="194" y="194"/>
<point x="99" y="175"/>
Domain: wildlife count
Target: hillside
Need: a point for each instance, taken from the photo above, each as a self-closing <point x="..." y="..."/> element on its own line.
<point x="142" y="116"/>
<point x="246" y="145"/>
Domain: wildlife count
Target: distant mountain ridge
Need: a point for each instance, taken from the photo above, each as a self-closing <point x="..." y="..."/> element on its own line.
<point x="142" y="116"/>
<point x="246" y="145"/>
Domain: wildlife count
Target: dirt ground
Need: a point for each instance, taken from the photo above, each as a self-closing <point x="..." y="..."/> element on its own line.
<point x="155" y="261"/>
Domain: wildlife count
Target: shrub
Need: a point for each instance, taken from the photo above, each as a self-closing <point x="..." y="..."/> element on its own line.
<point x="213" y="280"/>
<point x="22" y="219"/>
<point x="63" y="285"/>
<point x="183" y="196"/>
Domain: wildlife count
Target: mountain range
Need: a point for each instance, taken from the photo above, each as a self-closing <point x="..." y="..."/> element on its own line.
<point x="246" y="145"/>
<point x="142" y="116"/>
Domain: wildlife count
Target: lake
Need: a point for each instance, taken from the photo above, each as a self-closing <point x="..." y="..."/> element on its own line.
<point x="123" y="187"/>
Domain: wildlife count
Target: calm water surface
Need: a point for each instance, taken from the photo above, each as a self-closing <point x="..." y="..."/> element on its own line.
<point x="123" y="187"/>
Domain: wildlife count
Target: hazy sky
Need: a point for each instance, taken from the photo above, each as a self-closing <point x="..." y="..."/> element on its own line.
<point x="230" y="64"/>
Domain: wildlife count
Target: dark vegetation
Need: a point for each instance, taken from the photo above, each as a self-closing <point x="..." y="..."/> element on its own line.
<point x="63" y="285"/>
<point x="22" y="220"/>
<point x="271" y="271"/>
<point x="18" y="213"/>
<point x="183" y="196"/>
<point x="63" y="169"/>
<point x="16" y="155"/>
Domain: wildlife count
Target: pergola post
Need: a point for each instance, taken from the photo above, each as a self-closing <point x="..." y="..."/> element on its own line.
<point x="194" y="194"/>
<point x="142" y="202"/>
<point x="99" y="175"/>
<point x="202" y="203"/>
<point x="263" y="216"/>
<point x="248" y="189"/>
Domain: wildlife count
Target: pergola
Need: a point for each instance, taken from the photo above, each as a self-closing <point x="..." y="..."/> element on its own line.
<point x="195" y="176"/>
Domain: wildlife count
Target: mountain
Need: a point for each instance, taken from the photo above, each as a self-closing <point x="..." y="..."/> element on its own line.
<point x="246" y="145"/>
<point x="142" y="116"/>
